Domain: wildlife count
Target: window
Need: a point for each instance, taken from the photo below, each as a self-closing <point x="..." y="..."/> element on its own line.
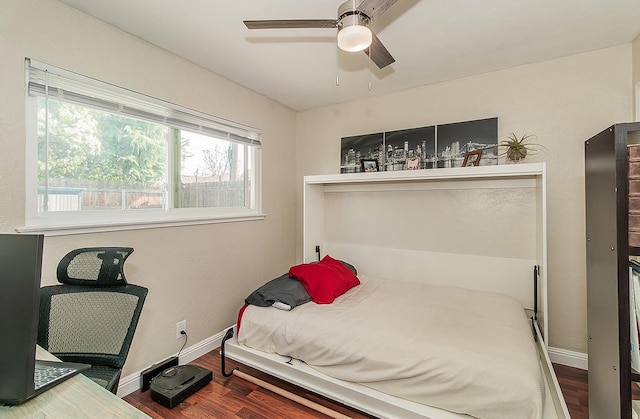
<point x="102" y="157"/>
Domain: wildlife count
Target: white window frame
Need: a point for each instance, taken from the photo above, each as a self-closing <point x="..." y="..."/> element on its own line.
<point x="75" y="222"/>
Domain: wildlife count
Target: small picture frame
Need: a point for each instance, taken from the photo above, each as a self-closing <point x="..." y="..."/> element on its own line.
<point x="472" y="158"/>
<point x="370" y="165"/>
<point x="412" y="163"/>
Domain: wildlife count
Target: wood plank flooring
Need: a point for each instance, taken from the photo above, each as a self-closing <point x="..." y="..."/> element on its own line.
<point x="573" y="383"/>
<point x="236" y="398"/>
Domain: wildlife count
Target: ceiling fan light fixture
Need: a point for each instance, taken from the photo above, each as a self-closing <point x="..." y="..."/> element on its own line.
<point x="352" y="22"/>
<point x="354" y="38"/>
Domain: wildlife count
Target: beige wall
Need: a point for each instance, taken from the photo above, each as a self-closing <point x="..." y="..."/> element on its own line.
<point x="636" y="77"/>
<point x="199" y="273"/>
<point x="563" y="102"/>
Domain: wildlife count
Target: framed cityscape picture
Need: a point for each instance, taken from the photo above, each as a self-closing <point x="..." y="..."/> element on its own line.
<point x="448" y="145"/>
<point x="409" y="149"/>
<point x="354" y="149"/>
<point x="454" y="140"/>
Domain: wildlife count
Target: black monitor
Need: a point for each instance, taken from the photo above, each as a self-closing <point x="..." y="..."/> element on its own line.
<point x="20" y="268"/>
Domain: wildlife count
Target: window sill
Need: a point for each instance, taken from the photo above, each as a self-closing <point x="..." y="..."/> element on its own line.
<point x="64" y="229"/>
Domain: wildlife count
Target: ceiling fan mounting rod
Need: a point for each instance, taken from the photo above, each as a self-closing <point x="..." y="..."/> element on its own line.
<point x="353" y="18"/>
<point x="361" y="16"/>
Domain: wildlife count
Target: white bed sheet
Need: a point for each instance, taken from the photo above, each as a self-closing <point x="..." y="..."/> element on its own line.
<point x="466" y="351"/>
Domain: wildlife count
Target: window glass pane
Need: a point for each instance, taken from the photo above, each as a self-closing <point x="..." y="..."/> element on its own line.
<point x="95" y="160"/>
<point x="211" y="172"/>
<point x="98" y="153"/>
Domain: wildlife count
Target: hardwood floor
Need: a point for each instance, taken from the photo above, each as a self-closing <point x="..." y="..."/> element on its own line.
<point x="236" y="398"/>
<point x="573" y="383"/>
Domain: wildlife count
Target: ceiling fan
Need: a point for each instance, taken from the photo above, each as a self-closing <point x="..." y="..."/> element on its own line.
<point x="352" y="24"/>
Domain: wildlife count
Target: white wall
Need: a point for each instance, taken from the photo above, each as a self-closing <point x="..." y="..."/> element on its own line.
<point x="636" y="76"/>
<point x="563" y="102"/>
<point x="200" y="273"/>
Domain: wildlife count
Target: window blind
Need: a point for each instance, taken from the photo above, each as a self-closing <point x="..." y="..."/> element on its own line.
<point x="44" y="80"/>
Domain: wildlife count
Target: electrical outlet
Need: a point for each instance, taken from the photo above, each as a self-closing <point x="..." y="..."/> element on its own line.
<point x="180" y="327"/>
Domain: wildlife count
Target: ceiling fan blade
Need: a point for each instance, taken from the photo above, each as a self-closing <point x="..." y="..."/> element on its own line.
<point x="379" y="53"/>
<point x="374" y="8"/>
<point x="291" y="24"/>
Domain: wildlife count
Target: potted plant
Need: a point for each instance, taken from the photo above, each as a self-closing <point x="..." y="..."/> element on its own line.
<point x="518" y="148"/>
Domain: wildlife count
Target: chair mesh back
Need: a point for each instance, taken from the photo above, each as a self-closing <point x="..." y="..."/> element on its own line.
<point x="90" y="324"/>
<point x="102" y="265"/>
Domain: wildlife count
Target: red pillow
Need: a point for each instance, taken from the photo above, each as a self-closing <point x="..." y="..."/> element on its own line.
<point x="325" y="280"/>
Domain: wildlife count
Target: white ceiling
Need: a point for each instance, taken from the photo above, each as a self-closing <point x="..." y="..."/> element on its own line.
<point x="431" y="40"/>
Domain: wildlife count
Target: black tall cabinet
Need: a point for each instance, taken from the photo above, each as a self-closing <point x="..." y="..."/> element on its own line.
<point x="608" y="251"/>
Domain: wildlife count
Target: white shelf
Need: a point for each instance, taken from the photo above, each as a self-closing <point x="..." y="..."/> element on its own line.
<point x="472" y="172"/>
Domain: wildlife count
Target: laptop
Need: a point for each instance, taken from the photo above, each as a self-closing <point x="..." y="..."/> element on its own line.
<point x="21" y="376"/>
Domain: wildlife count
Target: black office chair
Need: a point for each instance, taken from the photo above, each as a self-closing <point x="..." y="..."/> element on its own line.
<point x="92" y="317"/>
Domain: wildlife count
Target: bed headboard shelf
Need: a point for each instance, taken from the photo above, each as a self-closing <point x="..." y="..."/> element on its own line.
<point x="471" y="172"/>
<point x="480" y="227"/>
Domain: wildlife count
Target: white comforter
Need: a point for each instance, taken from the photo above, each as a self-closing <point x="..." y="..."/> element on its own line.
<point x="465" y="351"/>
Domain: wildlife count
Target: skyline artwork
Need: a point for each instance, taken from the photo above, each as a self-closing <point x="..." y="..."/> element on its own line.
<point x="427" y="147"/>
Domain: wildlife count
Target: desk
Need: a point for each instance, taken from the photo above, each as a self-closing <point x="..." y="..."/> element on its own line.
<point x="78" y="397"/>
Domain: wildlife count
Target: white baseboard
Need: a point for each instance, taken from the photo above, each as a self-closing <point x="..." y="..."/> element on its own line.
<point x="133" y="382"/>
<point x="568" y="358"/>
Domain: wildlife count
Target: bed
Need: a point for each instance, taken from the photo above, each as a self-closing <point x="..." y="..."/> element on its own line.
<point x="414" y="341"/>
<point x="495" y="361"/>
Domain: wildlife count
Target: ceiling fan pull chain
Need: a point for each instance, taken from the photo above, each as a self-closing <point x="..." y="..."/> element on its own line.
<point x="337" y="66"/>
<point x="369" y="57"/>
